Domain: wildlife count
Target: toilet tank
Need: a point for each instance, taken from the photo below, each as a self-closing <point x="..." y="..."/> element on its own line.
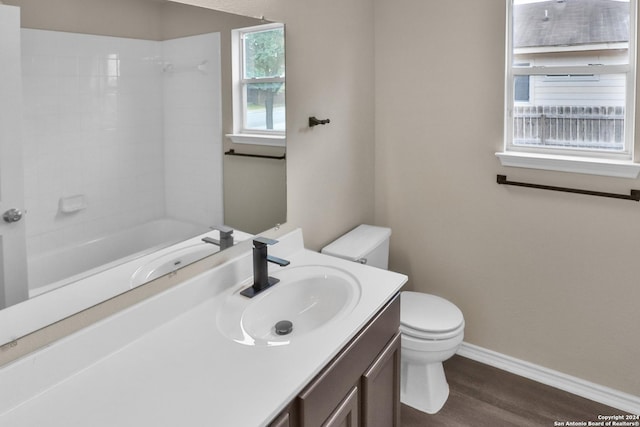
<point x="366" y="244"/>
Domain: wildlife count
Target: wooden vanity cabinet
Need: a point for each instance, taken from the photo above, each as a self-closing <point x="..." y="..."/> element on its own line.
<point x="360" y="386"/>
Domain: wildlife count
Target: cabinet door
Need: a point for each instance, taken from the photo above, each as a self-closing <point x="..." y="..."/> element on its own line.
<point x="381" y="388"/>
<point x="284" y="420"/>
<point x="287" y="418"/>
<point x="346" y="414"/>
<point x="320" y="398"/>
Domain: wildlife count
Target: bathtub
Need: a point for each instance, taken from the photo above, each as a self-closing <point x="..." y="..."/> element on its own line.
<point x="64" y="265"/>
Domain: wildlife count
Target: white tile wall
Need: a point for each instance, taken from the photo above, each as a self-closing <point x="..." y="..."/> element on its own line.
<point x="193" y="137"/>
<point x="102" y="119"/>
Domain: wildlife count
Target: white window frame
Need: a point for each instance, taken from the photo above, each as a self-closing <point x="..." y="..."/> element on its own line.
<point x="241" y="134"/>
<point x="597" y="162"/>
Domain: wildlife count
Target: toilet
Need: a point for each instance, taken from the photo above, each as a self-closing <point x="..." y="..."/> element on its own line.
<point x="431" y="327"/>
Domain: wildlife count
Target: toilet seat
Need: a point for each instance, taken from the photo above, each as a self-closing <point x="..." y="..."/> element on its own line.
<point x="429" y="317"/>
<point x="431" y="336"/>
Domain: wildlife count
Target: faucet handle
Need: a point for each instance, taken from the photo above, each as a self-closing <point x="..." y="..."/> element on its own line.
<point x="225" y="231"/>
<point x="261" y="242"/>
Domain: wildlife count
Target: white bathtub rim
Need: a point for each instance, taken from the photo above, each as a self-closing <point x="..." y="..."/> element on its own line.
<point x="37" y="263"/>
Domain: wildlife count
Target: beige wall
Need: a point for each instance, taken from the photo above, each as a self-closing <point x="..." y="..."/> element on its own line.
<point x="125" y="18"/>
<point x="547" y="277"/>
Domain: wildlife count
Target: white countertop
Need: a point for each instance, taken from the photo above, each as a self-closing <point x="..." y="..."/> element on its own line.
<point x="165" y="362"/>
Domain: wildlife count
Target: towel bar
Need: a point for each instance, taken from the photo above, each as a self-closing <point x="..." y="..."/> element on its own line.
<point x="634" y="194"/>
<point x="232" y="152"/>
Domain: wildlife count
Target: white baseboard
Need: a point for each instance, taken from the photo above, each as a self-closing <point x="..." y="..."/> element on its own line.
<point x="598" y="393"/>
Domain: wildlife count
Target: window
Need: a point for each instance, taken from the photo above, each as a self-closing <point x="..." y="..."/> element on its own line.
<point x="570" y="81"/>
<point x="521" y="87"/>
<point x="259" y="85"/>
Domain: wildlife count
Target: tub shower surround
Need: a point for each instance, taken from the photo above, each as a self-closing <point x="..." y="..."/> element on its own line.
<point x="117" y="132"/>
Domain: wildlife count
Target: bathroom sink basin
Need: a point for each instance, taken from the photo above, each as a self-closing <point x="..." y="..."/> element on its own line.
<point x="306" y="299"/>
<point x="171" y="261"/>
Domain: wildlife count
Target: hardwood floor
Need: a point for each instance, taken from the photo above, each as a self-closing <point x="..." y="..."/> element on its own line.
<point x="481" y="395"/>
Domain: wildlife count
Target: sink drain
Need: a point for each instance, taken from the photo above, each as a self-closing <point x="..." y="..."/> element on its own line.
<point x="284" y="327"/>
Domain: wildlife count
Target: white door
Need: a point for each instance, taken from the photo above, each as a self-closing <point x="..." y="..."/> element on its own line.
<point x="13" y="254"/>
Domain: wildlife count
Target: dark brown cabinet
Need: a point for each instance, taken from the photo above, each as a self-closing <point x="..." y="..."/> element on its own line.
<point x="360" y="386"/>
<point x="283" y="420"/>
<point x="346" y="414"/>
<point x="381" y="388"/>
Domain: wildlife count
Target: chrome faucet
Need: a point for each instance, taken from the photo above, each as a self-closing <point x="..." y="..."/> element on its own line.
<point x="261" y="278"/>
<point x="226" y="237"/>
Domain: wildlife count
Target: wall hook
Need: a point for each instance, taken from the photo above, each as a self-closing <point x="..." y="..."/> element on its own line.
<point x="315" y="122"/>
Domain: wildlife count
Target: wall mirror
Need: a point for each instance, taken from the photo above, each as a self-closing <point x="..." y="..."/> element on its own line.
<point x="114" y="162"/>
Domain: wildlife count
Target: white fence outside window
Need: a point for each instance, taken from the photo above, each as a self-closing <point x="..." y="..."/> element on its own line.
<point x="591" y="127"/>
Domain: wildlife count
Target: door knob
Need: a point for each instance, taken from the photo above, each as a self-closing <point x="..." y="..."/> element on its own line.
<point x="12" y="215"/>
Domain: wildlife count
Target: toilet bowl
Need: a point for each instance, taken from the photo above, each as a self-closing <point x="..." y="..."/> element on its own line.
<point x="432" y="330"/>
<point x="431" y="327"/>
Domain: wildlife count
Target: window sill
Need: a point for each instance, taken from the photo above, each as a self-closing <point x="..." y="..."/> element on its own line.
<point x="258" y="139"/>
<point x="604" y="167"/>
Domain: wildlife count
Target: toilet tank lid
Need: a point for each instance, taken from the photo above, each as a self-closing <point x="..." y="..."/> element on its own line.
<point x="358" y="242"/>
